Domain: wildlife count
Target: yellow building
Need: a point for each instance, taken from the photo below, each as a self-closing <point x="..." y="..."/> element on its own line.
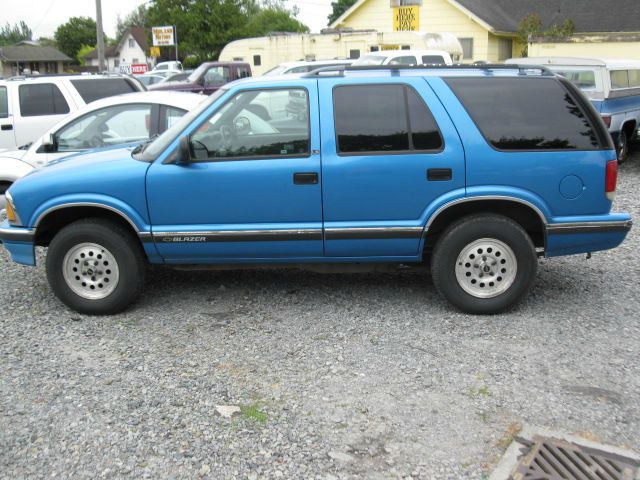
<point x="487" y="29"/>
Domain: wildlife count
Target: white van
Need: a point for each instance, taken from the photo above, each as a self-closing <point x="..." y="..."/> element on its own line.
<point x="612" y="85"/>
<point x="405" y="57"/>
<point x="29" y="106"/>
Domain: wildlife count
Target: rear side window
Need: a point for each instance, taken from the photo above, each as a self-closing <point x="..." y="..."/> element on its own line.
<point x="383" y="118"/>
<point x="41" y="99"/>
<point x="433" y="59"/>
<point x="92" y="89"/>
<point x="4" y="104"/>
<point x="526" y="113"/>
<point x="619" y="79"/>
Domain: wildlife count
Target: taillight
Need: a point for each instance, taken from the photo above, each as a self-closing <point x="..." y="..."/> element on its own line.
<point x="607" y="120"/>
<point x="610" y="179"/>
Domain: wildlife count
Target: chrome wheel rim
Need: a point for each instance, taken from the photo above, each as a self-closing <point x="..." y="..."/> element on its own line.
<point x="91" y="271"/>
<point x="486" y="268"/>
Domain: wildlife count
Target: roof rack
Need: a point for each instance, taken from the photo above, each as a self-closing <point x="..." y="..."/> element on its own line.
<point x="340" y="69"/>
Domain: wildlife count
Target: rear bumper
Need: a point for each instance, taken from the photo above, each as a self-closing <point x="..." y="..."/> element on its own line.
<point x="19" y="243"/>
<point x="569" y="238"/>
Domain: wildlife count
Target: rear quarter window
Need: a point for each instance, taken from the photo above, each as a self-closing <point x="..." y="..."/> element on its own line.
<point x="527" y="113"/>
<point x="91" y="89"/>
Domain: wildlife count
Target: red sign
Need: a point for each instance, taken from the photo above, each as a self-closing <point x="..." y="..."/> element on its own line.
<point x="139" y="68"/>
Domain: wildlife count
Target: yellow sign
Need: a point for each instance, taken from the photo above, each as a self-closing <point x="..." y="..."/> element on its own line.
<point x="154" y="52"/>
<point x="406" y="18"/>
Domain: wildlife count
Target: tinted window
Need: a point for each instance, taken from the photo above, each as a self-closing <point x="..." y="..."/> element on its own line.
<point x="619" y="79"/>
<point x="106" y="127"/>
<point x="525" y="113"/>
<point x="4" y="105"/>
<point x="91" y="89"/>
<point x="406" y="60"/>
<point x="41" y="99"/>
<point x="432" y="59"/>
<point x="268" y="123"/>
<point x="374" y="118"/>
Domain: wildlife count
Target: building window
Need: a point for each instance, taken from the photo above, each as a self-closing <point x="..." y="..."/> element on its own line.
<point x="116" y="63"/>
<point x="467" y="47"/>
<point x="505" y="48"/>
<point x="257" y="61"/>
<point x="354" y="54"/>
<point x="135" y="60"/>
<point x="405" y="3"/>
<point x="131" y="43"/>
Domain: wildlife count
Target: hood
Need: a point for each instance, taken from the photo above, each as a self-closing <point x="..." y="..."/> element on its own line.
<point x="16" y="154"/>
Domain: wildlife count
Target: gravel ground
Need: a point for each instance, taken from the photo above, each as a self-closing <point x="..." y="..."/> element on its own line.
<point x="337" y="376"/>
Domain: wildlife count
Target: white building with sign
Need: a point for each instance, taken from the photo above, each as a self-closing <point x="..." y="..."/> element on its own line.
<point x="132" y="50"/>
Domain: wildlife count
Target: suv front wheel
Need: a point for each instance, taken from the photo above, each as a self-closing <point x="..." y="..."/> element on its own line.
<point x="95" y="266"/>
<point x="484" y="264"/>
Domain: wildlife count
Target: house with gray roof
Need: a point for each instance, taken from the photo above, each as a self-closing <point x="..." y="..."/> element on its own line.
<point x="132" y="49"/>
<point x="29" y="57"/>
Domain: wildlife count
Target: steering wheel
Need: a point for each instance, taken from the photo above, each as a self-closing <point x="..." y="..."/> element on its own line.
<point x="228" y="135"/>
<point x="198" y="146"/>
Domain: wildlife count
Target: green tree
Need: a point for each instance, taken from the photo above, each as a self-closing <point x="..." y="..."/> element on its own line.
<point x="136" y="18"/>
<point x="531" y="25"/>
<point x="78" y="31"/>
<point x="206" y="26"/>
<point x="11" y="34"/>
<point x="82" y="52"/>
<point x="339" y="7"/>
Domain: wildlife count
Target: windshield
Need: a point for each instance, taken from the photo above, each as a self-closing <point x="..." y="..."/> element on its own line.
<point x="197" y="73"/>
<point x="370" y="60"/>
<point x="159" y="145"/>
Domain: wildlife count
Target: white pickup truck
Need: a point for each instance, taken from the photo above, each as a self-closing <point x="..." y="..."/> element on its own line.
<point x="29" y="106"/>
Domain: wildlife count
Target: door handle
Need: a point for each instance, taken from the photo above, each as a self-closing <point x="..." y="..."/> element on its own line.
<point x="439" y="174"/>
<point x="305" y="178"/>
<point x="7" y="127"/>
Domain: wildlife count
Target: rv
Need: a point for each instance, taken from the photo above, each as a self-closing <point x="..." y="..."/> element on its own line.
<point x="265" y="53"/>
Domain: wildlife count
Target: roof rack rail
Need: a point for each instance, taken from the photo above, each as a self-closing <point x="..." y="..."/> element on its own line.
<point x="340" y="69"/>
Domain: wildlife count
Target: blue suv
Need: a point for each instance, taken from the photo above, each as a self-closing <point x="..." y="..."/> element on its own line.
<point x="477" y="170"/>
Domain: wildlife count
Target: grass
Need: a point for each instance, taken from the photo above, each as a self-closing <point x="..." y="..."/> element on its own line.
<point x="509" y="434"/>
<point x="253" y="412"/>
<point x="480" y="392"/>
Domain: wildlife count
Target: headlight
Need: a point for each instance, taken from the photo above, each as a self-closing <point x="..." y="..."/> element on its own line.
<point x="12" y="215"/>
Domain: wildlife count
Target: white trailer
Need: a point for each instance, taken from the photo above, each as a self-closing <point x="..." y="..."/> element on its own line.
<point x="264" y="53"/>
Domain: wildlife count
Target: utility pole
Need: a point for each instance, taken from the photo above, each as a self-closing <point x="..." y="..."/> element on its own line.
<point x="100" y="35"/>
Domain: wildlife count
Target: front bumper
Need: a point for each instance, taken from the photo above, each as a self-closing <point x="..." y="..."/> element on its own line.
<point x="18" y="242"/>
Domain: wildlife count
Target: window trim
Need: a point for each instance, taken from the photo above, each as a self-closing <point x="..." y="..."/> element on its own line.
<point x="567" y="87"/>
<point x="409" y="131"/>
<point x="261" y="157"/>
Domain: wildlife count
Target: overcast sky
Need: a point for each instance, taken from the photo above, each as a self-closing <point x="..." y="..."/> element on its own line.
<point x="44" y="16"/>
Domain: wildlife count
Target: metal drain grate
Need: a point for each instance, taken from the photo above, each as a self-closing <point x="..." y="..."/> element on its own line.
<point x="553" y="459"/>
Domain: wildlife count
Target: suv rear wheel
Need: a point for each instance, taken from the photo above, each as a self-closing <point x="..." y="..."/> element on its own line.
<point x="95" y="267"/>
<point x="484" y="264"/>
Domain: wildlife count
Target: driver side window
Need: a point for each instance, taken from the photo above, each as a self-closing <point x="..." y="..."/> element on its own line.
<point x="106" y="127"/>
<point x="256" y="124"/>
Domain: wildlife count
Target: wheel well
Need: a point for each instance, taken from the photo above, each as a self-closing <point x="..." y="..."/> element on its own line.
<point x="4" y="186"/>
<point x="522" y="214"/>
<point x="630" y="128"/>
<point x="55" y="221"/>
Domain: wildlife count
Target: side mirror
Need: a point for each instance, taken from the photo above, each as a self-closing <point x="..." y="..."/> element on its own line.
<point x="49" y="143"/>
<point x="183" y="155"/>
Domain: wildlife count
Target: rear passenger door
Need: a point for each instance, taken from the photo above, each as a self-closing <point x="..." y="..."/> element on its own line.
<point x="7" y="139"/>
<point x="389" y="150"/>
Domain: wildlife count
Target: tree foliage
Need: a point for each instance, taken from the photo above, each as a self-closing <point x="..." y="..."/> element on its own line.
<point x="205" y="26"/>
<point x="339" y="7"/>
<point x="531" y="26"/>
<point x="82" y="52"/>
<point x="78" y="31"/>
<point x="135" y="18"/>
<point x="11" y="34"/>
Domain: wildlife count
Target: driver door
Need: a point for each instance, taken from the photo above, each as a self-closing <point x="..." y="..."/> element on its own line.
<point x="252" y="189"/>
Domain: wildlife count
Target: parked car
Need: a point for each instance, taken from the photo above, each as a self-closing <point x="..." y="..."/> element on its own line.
<point x="405" y="57"/>
<point x="29" y="106"/>
<point x="151" y="79"/>
<point x="208" y="77"/>
<point x="104" y="123"/>
<point x="612" y="85"/>
<point x="477" y="170"/>
<point x="305" y="66"/>
<point x="173" y="65"/>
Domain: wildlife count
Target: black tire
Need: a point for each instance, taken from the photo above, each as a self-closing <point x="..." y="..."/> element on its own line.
<point x="459" y="238"/>
<point x="4" y="186"/>
<point x="623" y="146"/>
<point x="118" y="244"/>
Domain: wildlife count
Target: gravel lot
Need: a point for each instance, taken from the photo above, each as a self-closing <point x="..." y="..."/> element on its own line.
<point x="337" y="376"/>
